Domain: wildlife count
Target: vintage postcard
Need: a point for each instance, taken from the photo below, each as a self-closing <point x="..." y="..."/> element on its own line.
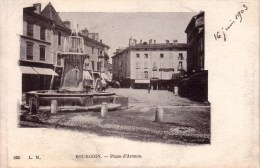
<point x="129" y="83"/>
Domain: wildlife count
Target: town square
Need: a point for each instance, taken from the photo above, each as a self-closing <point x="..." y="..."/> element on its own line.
<point x="109" y="80"/>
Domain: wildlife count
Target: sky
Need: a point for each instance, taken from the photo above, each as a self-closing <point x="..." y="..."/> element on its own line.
<point x="115" y="29"/>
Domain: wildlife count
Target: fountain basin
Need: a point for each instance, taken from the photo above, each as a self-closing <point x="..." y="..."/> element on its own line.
<point x="37" y="99"/>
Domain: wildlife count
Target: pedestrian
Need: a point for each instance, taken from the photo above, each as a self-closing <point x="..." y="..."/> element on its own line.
<point x="149" y="88"/>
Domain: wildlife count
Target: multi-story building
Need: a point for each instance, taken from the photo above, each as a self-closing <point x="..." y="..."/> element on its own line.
<point x="42" y="39"/>
<point x="195" y="39"/>
<point x="195" y="86"/>
<point x="97" y="51"/>
<point x="149" y="63"/>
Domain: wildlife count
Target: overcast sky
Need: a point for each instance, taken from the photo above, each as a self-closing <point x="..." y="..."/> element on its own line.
<point x="115" y="29"/>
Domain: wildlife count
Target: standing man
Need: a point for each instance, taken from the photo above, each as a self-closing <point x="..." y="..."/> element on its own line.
<point x="149" y="88"/>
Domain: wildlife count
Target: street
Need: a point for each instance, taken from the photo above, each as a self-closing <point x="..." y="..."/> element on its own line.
<point x="184" y="121"/>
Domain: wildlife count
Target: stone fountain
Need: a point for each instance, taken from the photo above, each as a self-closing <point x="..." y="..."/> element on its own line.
<point x="77" y="91"/>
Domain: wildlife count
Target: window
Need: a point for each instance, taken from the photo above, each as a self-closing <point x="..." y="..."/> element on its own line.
<point x="42" y="53"/>
<point x="145" y="65"/>
<point x="154" y="66"/>
<point x="180" y="66"/>
<point x="137" y="65"/>
<point x="161" y="65"/>
<point x="93" y="65"/>
<point x="180" y="56"/>
<point x="155" y="74"/>
<point x="98" y="65"/>
<point x="171" y="55"/>
<point x="42" y="33"/>
<point x="161" y="56"/>
<point x="146" y="74"/>
<point x="59" y="38"/>
<point x="137" y="55"/>
<point x="58" y="59"/>
<point x="92" y="50"/>
<point x="169" y="65"/>
<point x="145" y="55"/>
<point x="137" y="75"/>
<point x="172" y="64"/>
<point x="30" y="29"/>
<point x="29" y="50"/>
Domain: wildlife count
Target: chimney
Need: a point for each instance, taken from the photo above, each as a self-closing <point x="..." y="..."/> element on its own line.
<point x="175" y="41"/>
<point x="38" y="8"/>
<point x="67" y="24"/>
<point x="100" y="40"/>
<point x="130" y="41"/>
<point x="167" y="41"/>
<point x="150" y="41"/>
<point x="141" y="41"/>
<point x="154" y="41"/>
<point x="134" y="42"/>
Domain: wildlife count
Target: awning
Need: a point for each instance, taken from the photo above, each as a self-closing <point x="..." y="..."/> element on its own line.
<point x="104" y="76"/>
<point x="45" y="71"/>
<point x="166" y="69"/>
<point x="142" y="81"/>
<point x="86" y="75"/>
<point x="27" y="70"/>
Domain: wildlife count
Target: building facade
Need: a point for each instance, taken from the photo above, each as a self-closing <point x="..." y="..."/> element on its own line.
<point x="43" y="33"/>
<point x="98" y="56"/>
<point x="41" y="43"/>
<point x="195" y="39"/>
<point x="195" y="85"/>
<point x="143" y="64"/>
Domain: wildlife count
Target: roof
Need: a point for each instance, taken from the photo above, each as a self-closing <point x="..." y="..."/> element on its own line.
<point x="178" y="46"/>
<point x="50" y="12"/>
<point x="160" y="46"/>
<point x="193" y="20"/>
<point x="92" y="40"/>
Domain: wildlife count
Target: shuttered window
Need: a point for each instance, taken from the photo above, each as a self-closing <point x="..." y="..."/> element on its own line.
<point x="42" y="34"/>
<point x="59" y="38"/>
<point x="29" y="50"/>
<point x="42" y="53"/>
<point x="29" y="29"/>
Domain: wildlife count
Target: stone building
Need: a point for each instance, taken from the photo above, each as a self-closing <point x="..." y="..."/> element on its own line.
<point x="41" y="41"/>
<point x="195" y="85"/>
<point x="97" y="51"/>
<point x="155" y="64"/>
<point x="195" y="39"/>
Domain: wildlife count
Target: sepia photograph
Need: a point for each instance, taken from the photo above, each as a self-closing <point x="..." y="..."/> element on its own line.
<point x="137" y="75"/>
<point x="132" y="83"/>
